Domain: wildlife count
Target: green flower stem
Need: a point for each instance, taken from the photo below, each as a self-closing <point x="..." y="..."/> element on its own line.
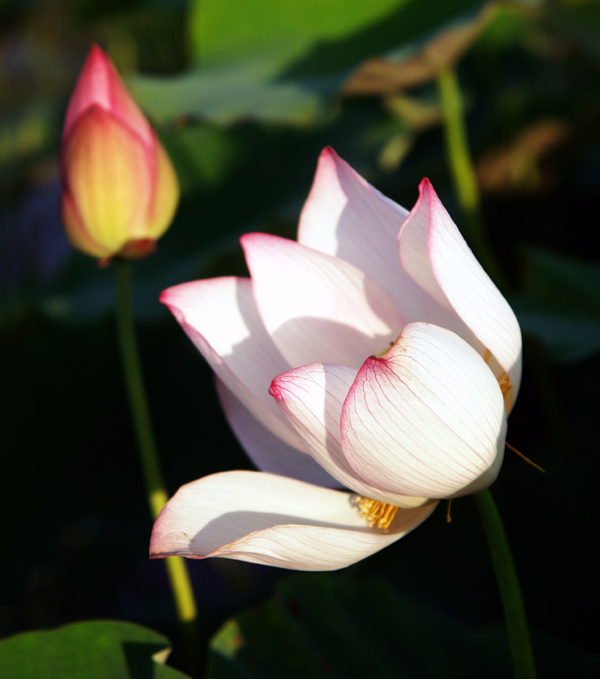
<point x="463" y="172"/>
<point x="508" y="583"/>
<point x="177" y="573"/>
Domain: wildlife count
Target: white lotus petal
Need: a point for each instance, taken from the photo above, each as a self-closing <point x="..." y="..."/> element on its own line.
<point x="220" y="317"/>
<point x="317" y="307"/>
<point x="273" y="520"/>
<point x="427" y="418"/>
<point x="346" y="217"/>
<point x="269" y="453"/>
<point x="436" y="255"/>
<point x="311" y="397"/>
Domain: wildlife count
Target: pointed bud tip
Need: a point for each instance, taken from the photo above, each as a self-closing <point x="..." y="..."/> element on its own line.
<point x="275" y="389"/>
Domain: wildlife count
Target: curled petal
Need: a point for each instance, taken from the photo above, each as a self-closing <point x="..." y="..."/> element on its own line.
<point x="269" y="453"/>
<point x="346" y="217"/>
<point x="272" y="520"/>
<point x="311" y="397"/>
<point x="426" y="419"/>
<point x="220" y="317"/>
<point x="317" y="307"/>
<point x="436" y="255"/>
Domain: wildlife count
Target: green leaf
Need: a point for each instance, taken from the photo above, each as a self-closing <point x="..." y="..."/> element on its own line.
<point x="274" y="31"/>
<point x="560" y="305"/>
<point x="87" y="650"/>
<point x="285" y="63"/>
<point x="226" y="93"/>
<point x="319" y="625"/>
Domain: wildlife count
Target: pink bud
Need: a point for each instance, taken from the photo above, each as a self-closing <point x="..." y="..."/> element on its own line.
<point x="120" y="190"/>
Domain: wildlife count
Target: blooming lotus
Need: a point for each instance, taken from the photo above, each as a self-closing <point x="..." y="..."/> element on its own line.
<point x="374" y="355"/>
<point x="119" y="188"/>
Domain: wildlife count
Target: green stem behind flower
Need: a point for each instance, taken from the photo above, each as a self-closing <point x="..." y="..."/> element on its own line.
<point x="508" y="583"/>
<point x="177" y="573"/>
<point x="463" y="172"/>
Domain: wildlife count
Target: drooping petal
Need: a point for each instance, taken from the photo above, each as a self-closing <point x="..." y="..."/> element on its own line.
<point x="426" y="419"/>
<point x="317" y="307"/>
<point x="269" y="453"/>
<point x="311" y="397"/>
<point x="100" y="84"/>
<point x="220" y="317"/>
<point x="344" y="216"/>
<point x="107" y="177"/>
<point x="273" y="520"/>
<point x="436" y="255"/>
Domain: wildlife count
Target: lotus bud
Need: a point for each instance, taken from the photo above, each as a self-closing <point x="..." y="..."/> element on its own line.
<point x="119" y="188"/>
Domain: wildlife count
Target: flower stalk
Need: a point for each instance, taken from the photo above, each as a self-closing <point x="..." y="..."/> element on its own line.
<point x="463" y="171"/>
<point x="508" y="584"/>
<point x="177" y="573"/>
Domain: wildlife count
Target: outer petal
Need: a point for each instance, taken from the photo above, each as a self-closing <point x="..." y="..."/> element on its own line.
<point x="76" y="231"/>
<point x="220" y="317"/>
<point x="316" y="307"/>
<point x="269" y="453"/>
<point x="108" y="179"/>
<point x="311" y="397"/>
<point x="99" y="84"/>
<point x="435" y="254"/>
<point x="165" y="193"/>
<point x="427" y="419"/>
<point x="273" y="520"/>
<point x="346" y="217"/>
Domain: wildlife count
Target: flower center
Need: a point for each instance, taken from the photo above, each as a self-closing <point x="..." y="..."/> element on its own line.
<point x="377" y="514"/>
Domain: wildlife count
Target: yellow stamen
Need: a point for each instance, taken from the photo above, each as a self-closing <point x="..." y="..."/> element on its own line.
<point x="377" y="514"/>
<point x="448" y="516"/>
<point x="503" y="378"/>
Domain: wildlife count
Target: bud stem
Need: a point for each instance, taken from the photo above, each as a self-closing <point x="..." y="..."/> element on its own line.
<point x="508" y="584"/>
<point x="177" y="573"/>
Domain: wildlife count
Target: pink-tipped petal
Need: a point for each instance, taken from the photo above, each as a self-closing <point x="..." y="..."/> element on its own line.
<point x="317" y="307"/>
<point x="344" y="216"/>
<point x="426" y="419"/>
<point x="312" y="397"/>
<point x="99" y="84"/>
<point x="272" y="520"/>
<point x="267" y="452"/>
<point x="436" y="255"/>
<point x="220" y="317"/>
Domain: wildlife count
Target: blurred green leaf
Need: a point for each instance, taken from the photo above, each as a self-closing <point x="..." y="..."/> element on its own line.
<point x="226" y="93"/>
<point x="320" y="625"/>
<point x="276" y="32"/>
<point x="560" y="305"/>
<point x="281" y="63"/>
<point x="87" y="650"/>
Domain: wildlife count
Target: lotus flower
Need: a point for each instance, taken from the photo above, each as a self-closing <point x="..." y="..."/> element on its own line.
<point x="374" y="355"/>
<point x="119" y="187"/>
